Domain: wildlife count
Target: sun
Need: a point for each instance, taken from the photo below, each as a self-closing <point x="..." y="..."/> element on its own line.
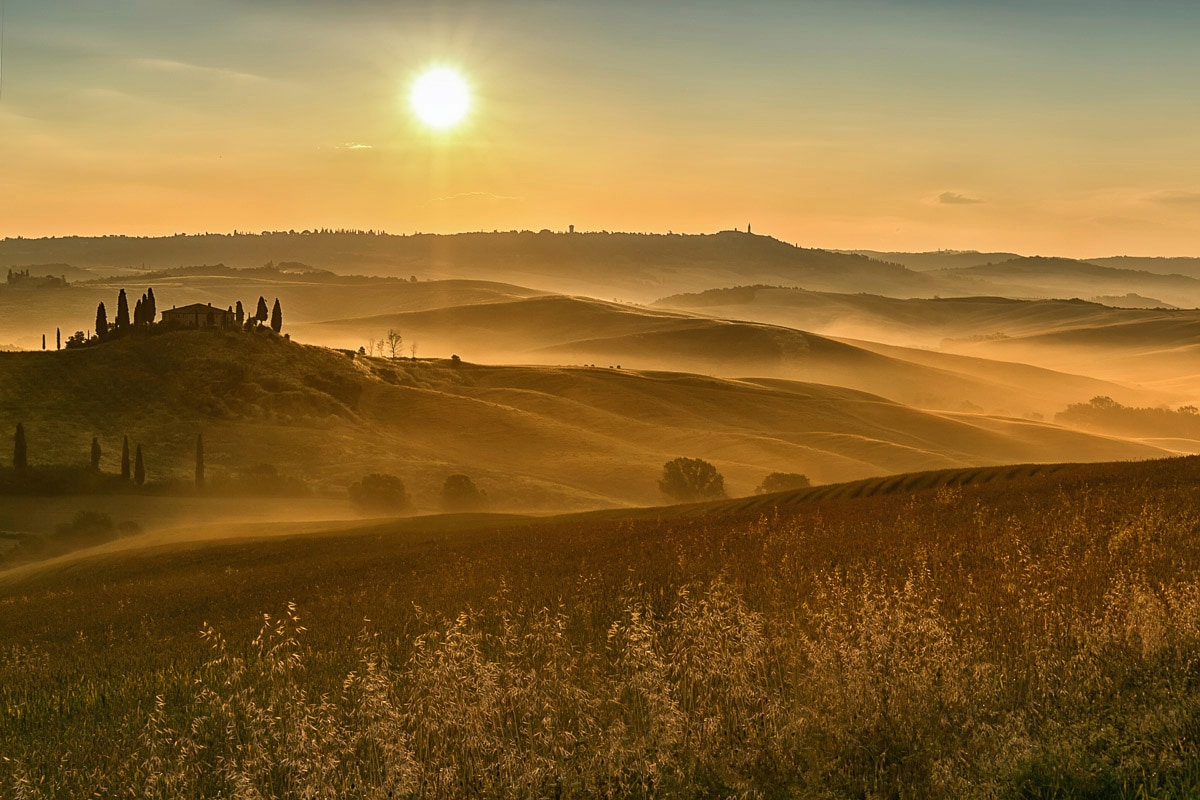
<point x="440" y="97"/>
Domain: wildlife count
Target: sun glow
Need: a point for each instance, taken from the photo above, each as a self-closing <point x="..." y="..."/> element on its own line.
<point x="440" y="97"/>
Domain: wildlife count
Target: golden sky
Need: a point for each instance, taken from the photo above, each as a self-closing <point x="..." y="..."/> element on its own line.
<point x="1059" y="127"/>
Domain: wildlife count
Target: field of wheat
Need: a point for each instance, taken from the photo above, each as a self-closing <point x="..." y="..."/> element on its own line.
<point x="1037" y="637"/>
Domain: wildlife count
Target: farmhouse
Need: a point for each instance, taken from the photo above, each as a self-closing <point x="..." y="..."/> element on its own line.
<point x="198" y="315"/>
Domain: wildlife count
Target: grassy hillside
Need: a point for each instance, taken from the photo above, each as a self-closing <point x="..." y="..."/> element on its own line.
<point x="1139" y="348"/>
<point x="306" y="297"/>
<point x="1021" y="632"/>
<point x="555" y="329"/>
<point x="533" y="437"/>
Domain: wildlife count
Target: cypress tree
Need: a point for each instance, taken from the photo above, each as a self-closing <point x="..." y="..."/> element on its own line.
<point x="58" y="338"/>
<point x="139" y="467"/>
<point x="125" y="459"/>
<point x="239" y="314"/>
<point x="43" y="341"/>
<point x="151" y="307"/>
<point x="261" y="313"/>
<point x="122" y="312"/>
<point x="137" y="313"/>
<point x="277" y="317"/>
<point x="101" y="322"/>
<point x="199" y="461"/>
<point x="95" y="454"/>
<point x="20" y="454"/>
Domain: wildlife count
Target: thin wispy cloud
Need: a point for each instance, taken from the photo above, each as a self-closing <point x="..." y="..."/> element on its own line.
<point x="354" y="146"/>
<point x="956" y="199"/>
<point x="1176" y="198"/>
<point x="474" y="196"/>
<point x="184" y="67"/>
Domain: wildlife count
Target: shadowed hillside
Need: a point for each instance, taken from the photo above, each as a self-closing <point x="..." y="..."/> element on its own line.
<point x="534" y="437"/>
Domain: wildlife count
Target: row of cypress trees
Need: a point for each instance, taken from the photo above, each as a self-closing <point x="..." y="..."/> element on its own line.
<point x="144" y="313"/>
<point x="136" y="471"/>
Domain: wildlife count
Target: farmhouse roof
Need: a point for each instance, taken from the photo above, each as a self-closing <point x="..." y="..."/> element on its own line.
<point x="194" y="308"/>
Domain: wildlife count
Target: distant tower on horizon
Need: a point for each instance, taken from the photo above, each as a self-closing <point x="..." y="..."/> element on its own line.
<point x="570" y="229"/>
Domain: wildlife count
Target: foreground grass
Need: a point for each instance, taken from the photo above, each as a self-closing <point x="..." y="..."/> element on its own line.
<point x="1035" y="638"/>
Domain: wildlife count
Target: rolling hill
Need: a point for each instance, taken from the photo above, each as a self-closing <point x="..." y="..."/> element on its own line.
<point x="554" y="329"/>
<point x="533" y="437"/>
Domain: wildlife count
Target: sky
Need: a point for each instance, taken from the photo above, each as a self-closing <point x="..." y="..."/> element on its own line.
<point x="1051" y="126"/>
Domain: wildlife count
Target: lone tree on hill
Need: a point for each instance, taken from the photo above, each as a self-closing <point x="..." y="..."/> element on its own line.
<point x="783" y="482"/>
<point x="122" y="322"/>
<point x="95" y="454"/>
<point x="58" y="338"/>
<point x="101" y="322"/>
<point x="261" y="313"/>
<point x="277" y="317"/>
<point x="393" y="342"/>
<point x="125" y="459"/>
<point x="139" y="467"/>
<point x="460" y="494"/>
<point x="691" y="479"/>
<point x="20" y="452"/>
<point x="199" y="461"/>
<point x="239" y="314"/>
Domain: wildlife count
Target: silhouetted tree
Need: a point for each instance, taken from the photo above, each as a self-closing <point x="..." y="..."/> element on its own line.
<point x="783" y="482"/>
<point x="137" y="314"/>
<point x="101" y="322"/>
<point x="239" y="314"/>
<point x="125" y="459"/>
<point x="393" y="341"/>
<point x="139" y="467"/>
<point x="379" y="491"/>
<point x="150" y="307"/>
<point x="691" y="479"/>
<point x="261" y="314"/>
<point x="460" y="494"/>
<point x="277" y="317"/>
<point x="58" y="338"/>
<point x="122" y="321"/>
<point x="43" y="341"/>
<point x="95" y="454"/>
<point x="20" y="453"/>
<point x="199" y="461"/>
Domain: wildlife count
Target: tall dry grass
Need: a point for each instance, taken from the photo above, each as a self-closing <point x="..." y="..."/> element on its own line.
<point x="977" y="650"/>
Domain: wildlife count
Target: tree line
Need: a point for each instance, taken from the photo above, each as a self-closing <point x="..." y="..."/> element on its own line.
<point x="133" y="462"/>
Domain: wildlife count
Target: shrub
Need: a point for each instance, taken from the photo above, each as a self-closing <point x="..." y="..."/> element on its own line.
<point x="460" y="494"/>
<point x="380" y="492"/>
<point x="783" y="482"/>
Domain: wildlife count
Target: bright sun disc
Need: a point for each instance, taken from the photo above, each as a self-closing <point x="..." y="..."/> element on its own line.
<point x="440" y="97"/>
